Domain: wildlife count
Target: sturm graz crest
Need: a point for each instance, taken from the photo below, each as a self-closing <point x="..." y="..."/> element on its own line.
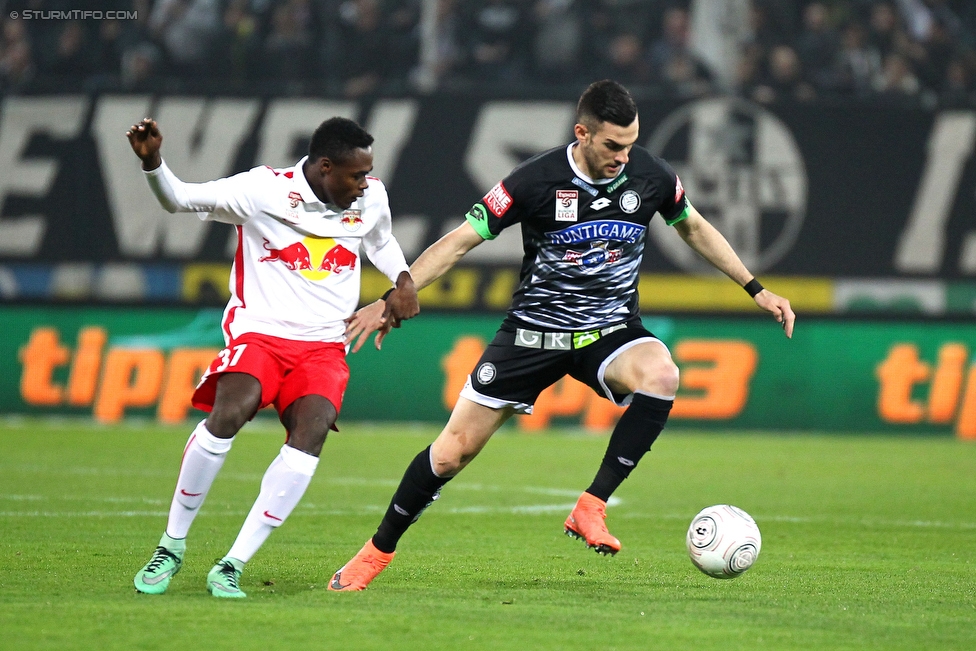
<point x="742" y="170"/>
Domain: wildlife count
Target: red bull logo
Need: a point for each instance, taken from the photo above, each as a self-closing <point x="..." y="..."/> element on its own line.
<point x="351" y="220"/>
<point x="298" y="256"/>
<point x="294" y="256"/>
<point x="338" y="259"/>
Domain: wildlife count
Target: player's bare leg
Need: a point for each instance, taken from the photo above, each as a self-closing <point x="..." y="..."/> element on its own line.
<point x="467" y="431"/>
<point x="307" y="421"/>
<point x="647" y="371"/>
<point x="237" y="398"/>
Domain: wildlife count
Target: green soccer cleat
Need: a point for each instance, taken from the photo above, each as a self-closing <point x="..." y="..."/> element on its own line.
<point x="166" y="561"/>
<point x="223" y="580"/>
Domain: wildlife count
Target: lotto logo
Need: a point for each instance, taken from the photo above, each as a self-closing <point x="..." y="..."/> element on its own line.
<point x="600" y="203"/>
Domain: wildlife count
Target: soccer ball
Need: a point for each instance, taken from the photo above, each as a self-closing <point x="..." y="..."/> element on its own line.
<point x="723" y="541"/>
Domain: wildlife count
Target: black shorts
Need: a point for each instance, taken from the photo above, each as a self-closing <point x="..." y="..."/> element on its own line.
<point x="520" y="363"/>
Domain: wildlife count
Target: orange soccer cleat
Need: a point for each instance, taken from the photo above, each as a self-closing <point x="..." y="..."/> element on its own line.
<point x="586" y="523"/>
<point x="363" y="568"/>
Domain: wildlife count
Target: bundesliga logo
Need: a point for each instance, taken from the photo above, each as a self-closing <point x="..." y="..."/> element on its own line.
<point x="291" y="212"/>
<point x="567" y="205"/>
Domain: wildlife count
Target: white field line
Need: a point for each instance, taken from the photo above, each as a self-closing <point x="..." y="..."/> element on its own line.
<point x="123" y="472"/>
<point x="852" y="521"/>
<point x="82" y="514"/>
<point x="83" y="498"/>
<point x="309" y="509"/>
<point x="531" y="509"/>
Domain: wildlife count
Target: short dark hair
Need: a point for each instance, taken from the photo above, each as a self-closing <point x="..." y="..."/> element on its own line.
<point x="606" y="101"/>
<point x="336" y="138"/>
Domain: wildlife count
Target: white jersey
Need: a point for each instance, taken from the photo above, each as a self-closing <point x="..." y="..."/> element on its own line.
<point x="297" y="266"/>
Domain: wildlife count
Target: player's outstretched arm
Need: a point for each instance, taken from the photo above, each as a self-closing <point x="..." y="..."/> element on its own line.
<point x="710" y="244"/>
<point x="146" y="139"/>
<point x="433" y="263"/>
<point x="176" y="196"/>
<point x="444" y="254"/>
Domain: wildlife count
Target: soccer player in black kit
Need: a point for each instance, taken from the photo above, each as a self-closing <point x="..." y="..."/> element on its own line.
<point x="584" y="210"/>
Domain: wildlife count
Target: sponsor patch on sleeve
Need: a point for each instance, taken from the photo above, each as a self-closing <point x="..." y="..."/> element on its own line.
<point x="679" y="190"/>
<point x="498" y="200"/>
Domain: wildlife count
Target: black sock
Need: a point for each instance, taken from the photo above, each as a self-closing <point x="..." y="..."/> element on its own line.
<point x="418" y="488"/>
<point x="633" y="436"/>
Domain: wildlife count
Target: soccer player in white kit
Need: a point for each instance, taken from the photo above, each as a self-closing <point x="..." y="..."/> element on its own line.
<point x="295" y="280"/>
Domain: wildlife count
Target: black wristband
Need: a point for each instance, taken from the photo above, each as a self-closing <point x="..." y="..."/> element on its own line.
<point x="388" y="292"/>
<point x="753" y="287"/>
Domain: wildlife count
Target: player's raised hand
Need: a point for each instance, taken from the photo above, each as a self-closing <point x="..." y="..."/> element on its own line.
<point x="146" y="139"/>
<point x="780" y="309"/>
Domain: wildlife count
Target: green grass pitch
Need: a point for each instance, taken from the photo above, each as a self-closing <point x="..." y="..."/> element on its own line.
<point x="868" y="543"/>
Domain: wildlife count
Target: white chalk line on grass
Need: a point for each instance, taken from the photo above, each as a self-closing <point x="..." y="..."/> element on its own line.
<point x="91" y="471"/>
<point x="310" y="509"/>
<point x="865" y="522"/>
<point x="531" y="509"/>
<point x="82" y="498"/>
<point x="81" y="514"/>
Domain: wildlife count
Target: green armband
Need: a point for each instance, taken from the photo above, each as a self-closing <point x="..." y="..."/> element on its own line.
<point x="478" y="218"/>
<point x="680" y="216"/>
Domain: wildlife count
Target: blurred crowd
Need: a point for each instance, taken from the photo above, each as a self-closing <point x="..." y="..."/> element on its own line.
<point x="920" y="51"/>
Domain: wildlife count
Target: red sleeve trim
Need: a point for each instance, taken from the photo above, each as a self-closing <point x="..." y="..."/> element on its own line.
<point x="238" y="278"/>
<point x="289" y="174"/>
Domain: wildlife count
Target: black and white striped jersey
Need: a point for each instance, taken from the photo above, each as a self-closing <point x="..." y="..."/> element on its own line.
<point x="583" y="238"/>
